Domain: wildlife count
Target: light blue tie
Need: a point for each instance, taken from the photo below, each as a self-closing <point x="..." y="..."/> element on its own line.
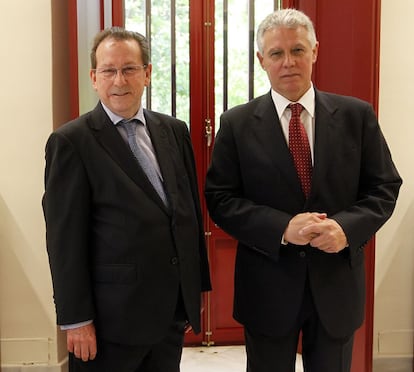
<point x="143" y="160"/>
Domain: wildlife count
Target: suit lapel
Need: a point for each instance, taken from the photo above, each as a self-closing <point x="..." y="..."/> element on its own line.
<point x="110" y="139"/>
<point x="324" y="138"/>
<point x="271" y="139"/>
<point x="164" y="153"/>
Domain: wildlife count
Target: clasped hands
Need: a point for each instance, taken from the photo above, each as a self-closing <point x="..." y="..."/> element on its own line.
<point x="317" y="230"/>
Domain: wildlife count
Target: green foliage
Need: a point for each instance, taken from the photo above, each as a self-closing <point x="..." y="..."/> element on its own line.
<point x="158" y="24"/>
<point x="160" y="40"/>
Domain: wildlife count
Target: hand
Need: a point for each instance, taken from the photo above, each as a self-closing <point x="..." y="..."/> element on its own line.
<point x="328" y="236"/>
<point x="187" y="328"/>
<point x="81" y="342"/>
<point x="297" y="223"/>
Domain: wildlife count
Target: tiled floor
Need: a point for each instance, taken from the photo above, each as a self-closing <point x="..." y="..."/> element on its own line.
<point x="218" y="359"/>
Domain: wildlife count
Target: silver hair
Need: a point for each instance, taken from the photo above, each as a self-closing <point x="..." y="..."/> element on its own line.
<point x="289" y="18"/>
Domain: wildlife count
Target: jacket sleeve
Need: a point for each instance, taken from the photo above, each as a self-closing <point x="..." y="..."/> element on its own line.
<point x="379" y="184"/>
<point x="66" y="204"/>
<point x="189" y="163"/>
<point x="256" y="225"/>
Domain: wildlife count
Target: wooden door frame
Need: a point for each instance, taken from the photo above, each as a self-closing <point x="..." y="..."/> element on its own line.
<point x="202" y="119"/>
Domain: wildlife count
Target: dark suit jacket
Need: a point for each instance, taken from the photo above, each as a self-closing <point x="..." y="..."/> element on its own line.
<point x="252" y="192"/>
<point x="117" y="254"/>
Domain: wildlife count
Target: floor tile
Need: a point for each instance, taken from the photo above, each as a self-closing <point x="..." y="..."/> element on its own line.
<point x="218" y="359"/>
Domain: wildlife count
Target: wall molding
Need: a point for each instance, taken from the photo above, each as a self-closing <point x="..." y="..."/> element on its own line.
<point x="34" y="354"/>
<point x="392" y="363"/>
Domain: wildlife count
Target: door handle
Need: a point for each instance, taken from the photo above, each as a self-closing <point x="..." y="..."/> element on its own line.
<point x="208" y="131"/>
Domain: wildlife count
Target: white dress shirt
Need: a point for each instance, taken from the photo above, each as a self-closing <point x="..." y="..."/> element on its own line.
<point x="307" y="116"/>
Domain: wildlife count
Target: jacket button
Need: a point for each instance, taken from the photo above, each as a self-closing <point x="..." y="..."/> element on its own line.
<point x="174" y="261"/>
<point x="302" y="254"/>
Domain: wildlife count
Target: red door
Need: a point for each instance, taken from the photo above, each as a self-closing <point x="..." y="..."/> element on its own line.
<point x="348" y="32"/>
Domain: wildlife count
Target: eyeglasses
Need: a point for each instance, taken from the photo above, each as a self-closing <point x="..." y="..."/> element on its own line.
<point x="126" y="71"/>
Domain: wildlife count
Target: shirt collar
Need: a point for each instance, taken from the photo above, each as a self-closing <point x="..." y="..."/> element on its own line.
<point x="116" y="119"/>
<point x="307" y="101"/>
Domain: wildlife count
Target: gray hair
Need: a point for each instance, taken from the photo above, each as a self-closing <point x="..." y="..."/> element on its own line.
<point x="289" y="18"/>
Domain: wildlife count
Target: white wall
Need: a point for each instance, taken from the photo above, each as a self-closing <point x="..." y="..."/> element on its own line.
<point x="27" y="320"/>
<point x="394" y="310"/>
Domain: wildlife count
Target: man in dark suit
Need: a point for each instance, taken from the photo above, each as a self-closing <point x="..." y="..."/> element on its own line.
<point x="126" y="251"/>
<point x="300" y="256"/>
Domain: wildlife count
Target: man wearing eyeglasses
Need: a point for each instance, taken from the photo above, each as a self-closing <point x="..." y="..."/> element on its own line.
<point x="124" y="230"/>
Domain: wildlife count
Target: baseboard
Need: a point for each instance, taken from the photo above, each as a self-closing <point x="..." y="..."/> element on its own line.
<point x="62" y="367"/>
<point x="392" y="363"/>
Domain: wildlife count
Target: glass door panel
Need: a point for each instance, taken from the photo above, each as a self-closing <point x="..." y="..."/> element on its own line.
<point x="165" y="23"/>
<point x="238" y="74"/>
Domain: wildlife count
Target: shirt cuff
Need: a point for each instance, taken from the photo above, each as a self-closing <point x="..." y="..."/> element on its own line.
<point x="75" y="325"/>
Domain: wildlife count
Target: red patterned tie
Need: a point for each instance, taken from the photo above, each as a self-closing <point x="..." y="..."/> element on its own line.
<point x="299" y="148"/>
